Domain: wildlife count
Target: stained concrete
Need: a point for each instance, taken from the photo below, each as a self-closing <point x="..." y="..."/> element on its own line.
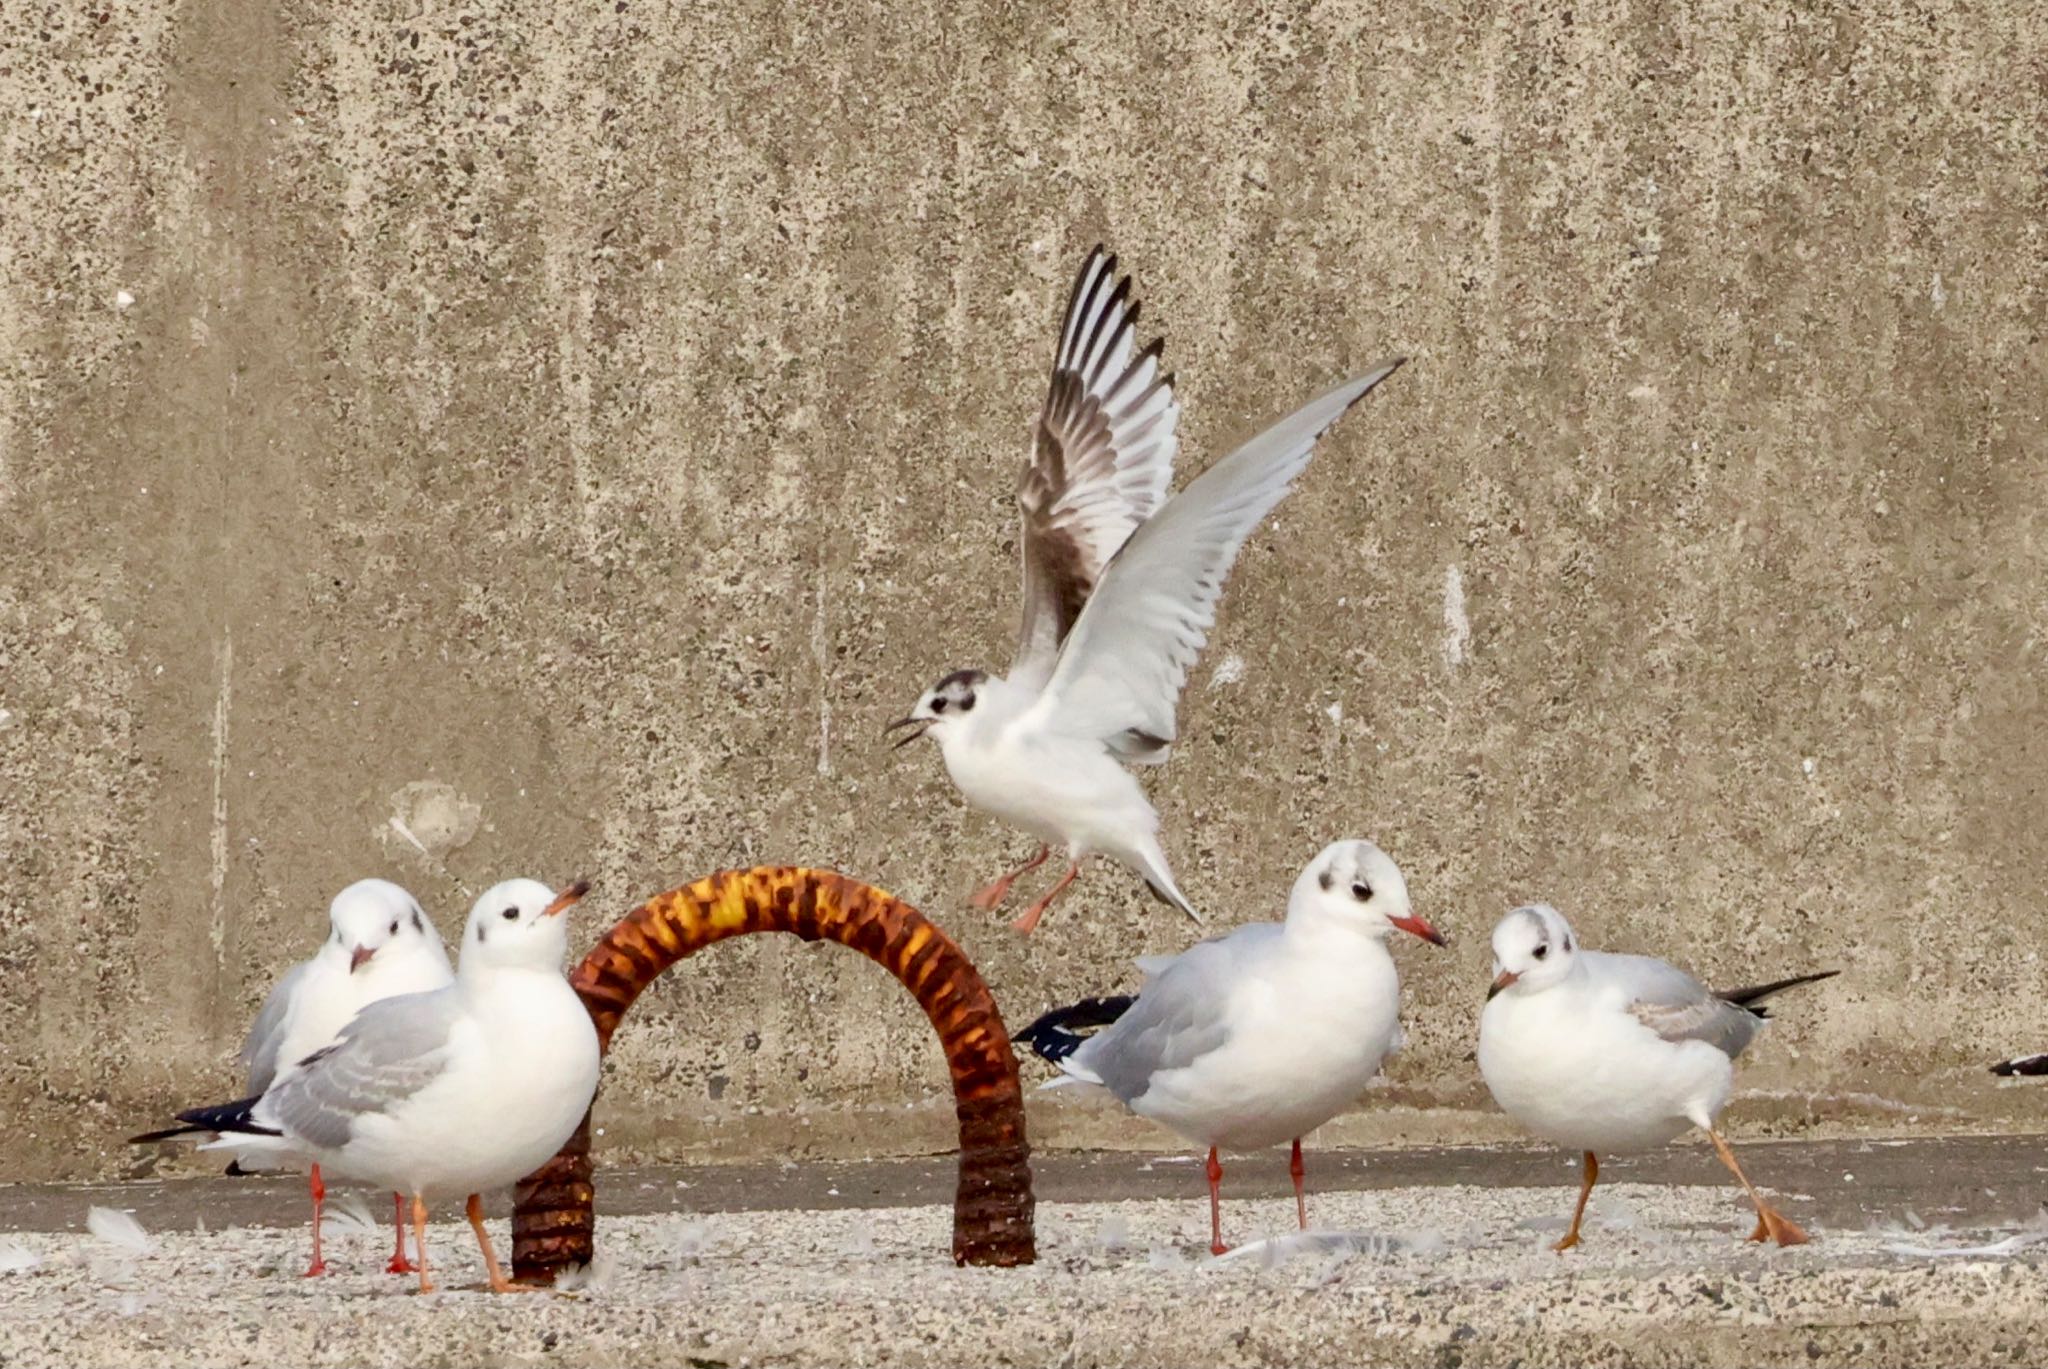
<point x="450" y="440"/>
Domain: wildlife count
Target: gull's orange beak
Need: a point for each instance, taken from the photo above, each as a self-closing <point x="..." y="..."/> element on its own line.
<point x="1415" y="926"/>
<point x="1501" y="981"/>
<point x="360" y="957"/>
<point x="567" y="898"/>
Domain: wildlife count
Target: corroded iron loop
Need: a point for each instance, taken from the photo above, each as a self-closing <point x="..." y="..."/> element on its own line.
<point x="553" y="1221"/>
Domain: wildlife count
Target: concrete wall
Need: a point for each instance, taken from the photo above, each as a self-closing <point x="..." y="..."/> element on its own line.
<point x="572" y="431"/>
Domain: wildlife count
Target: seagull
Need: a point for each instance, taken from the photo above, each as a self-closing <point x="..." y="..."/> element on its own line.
<point x="458" y="1090"/>
<point x="1261" y="1036"/>
<point x="382" y="945"/>
<point x="1120" y="590"/>
<point x="1602" y="1053"/>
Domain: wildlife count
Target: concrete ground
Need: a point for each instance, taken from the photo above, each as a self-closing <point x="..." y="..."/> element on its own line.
<point x="847" y="1264"/>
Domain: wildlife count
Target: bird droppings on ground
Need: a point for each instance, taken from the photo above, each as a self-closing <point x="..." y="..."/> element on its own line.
<point x="1457" y="1275"/>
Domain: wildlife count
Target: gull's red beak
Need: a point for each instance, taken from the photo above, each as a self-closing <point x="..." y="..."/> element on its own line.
<point x="360" y="957"/>
<point x="1501" y="981"/>
<point x="1415" y="926"/>
<point x="567" y="898"/>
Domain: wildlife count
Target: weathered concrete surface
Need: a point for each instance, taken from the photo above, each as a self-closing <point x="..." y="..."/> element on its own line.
<point x="1663" y="1277"/>
<point x="572" y="436"/>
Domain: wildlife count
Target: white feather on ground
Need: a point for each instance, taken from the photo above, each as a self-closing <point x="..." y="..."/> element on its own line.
<point x="120" y="1229"/>
<point x="349" y="1215"/>
<point x="16" y="1258"/>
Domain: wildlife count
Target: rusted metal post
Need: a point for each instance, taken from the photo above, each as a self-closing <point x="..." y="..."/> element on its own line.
<point x="554" y="1217"/>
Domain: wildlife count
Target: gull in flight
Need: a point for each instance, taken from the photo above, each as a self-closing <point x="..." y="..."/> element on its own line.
<point x="456" y="1091"/>
<point x="381" y="945"/>
<point x="1260" y="1036"/>
<point x="1602" y="1053"/>
<point x="1120" y="591"/>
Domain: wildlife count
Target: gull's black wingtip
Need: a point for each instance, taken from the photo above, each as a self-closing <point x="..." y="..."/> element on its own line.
<point x="1058" y="1034"/>
<point x="2021" y="1065"/>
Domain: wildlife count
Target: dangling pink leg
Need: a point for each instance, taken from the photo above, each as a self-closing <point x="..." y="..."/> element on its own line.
<point x="1029" y="920"/>
<point x="991" y="897"/>
<point x="1300" y="1199"/>
<point x="1216" y="1246"/>
<point x="399" y="1264"/>
<point x="319" y="1266"/>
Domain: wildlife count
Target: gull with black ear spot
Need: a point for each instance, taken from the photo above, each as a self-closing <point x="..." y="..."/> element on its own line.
<point x="380" y="944"/>
<point x="1120" y="589"/>
<point x="457" y="1091"/>
<point x="1606" y="1053"/>
<point x="1260" y="1036"/>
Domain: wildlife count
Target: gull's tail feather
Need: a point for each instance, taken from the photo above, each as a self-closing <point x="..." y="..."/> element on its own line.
<point x="1150" y="863"/>
<point x="221" y="1119"/>
<point x="1059" y="1033"/>
<point x="1755" y="994"/>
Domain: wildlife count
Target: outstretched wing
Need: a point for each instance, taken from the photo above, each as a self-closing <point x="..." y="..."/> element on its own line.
<point x="1102" y="456"/>
<point x="391" y="1050"/>
<point x="1120" y="673"/>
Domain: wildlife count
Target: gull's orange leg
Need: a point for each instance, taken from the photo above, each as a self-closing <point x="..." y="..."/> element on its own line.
<point x="499" y="1283"/>
<point x="1590" y="1176"/>
<point x="419" y="1240"/>
<point x="1769" y="1221"/>
<point x="399" y="1264"/>
<point x="1300" y="1199"/>
<point x="1029" y="920"/>
<point x="319" y="1266"/>
<point x="991" y="897"/>
<point x="1216" y="1246"/>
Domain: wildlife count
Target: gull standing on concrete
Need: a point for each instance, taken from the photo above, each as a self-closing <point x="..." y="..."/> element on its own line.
<point x="463" y="1089"/>
<point x="1260" y="1036"/>
<point x="382" y="945"/>
<point x="1120" y="590"/>
<point x="1604" y="1053"/>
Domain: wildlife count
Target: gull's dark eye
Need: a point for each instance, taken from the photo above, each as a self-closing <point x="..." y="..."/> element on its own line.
<point x="510" y="914"/>
<point x="394" y="926"/>
<point x="1541" y="951"/>
<point x="1361" y="891"/>
<point x="938" y="705"/>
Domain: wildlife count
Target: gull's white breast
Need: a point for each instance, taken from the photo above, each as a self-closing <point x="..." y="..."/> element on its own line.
<point x="1065" y="790"/>
<point x="1308" y="1032"/>
<point x="523" y="1068"/>
<point x="1572" y="1065"/>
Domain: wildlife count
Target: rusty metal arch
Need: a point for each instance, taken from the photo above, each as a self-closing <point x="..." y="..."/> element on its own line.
<point x="553" y="1220"/>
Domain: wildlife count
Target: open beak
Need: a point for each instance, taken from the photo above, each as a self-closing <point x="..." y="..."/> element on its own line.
<point x="1415" y="926"/>
<point x="567" y="898"/>
<point x="919" y="723"/>
<point x="360" y="957"/>
<point x="1501" y="981"/>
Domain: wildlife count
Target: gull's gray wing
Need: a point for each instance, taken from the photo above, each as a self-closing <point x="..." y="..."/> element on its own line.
<point x="391" y="1050"/>
<point x="1119" y="676"/>
<point x="1101" y="457"/>
<point x="1674" y="1005"/>
<point x="266" y="1033"/>
<point x="1181" y="1015"/>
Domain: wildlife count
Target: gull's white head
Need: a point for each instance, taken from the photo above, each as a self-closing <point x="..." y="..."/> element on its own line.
<point x="1356" y="884"/>
<point x="942" y="707"/>
<point x="1533" y="948"/>
<point x="377" y="924"/>
<point x="518" y="925"/>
